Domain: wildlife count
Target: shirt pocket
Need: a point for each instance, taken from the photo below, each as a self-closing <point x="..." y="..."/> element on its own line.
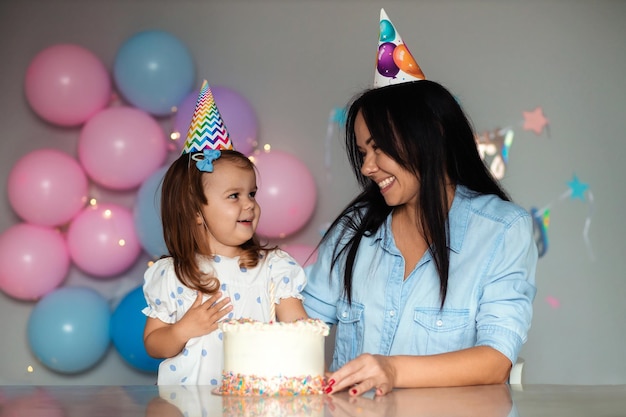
<point x="349" y="337"/>
<point x="441" y="330"/>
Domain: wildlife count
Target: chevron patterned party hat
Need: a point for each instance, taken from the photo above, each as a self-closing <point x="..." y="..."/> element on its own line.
<point x="207" y="129"/>
<point x="394" y="62"/>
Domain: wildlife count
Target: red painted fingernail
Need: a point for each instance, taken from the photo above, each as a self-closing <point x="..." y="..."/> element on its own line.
<point x="331" y="382"/>
<point x="328" y="389"/>
<point x="353" y="391"/>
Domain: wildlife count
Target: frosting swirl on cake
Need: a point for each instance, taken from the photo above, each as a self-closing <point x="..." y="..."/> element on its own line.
<point x="315" y="326"/>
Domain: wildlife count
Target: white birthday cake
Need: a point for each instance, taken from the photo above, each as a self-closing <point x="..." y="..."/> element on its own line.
<point x="273" y="359"/>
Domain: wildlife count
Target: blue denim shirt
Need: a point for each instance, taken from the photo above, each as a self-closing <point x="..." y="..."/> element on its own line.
<point x="491" y="287"/>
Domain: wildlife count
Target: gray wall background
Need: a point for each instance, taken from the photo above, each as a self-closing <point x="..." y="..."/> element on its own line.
<point x="296" y="61"/>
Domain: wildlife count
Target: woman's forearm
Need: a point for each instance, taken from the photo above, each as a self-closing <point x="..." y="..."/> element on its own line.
<point x="480" y="365"/>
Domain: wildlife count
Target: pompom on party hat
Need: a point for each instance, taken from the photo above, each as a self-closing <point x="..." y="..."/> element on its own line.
<point x="207" y="129"/>
<point x="394" y="62"/>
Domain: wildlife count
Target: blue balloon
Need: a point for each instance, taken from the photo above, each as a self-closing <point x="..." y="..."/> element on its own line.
<point x="387" y="33"/>
<point x="147" y="215"/>
<point x="68" y="329"/>
<point x="154" y="71"/>
<point x="127" y="324"/>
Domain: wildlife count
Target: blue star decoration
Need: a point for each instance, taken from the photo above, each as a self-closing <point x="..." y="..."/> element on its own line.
<point x="578" y="188"/>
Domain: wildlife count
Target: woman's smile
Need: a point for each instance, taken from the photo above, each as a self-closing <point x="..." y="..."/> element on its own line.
<point x="386" y="183"/>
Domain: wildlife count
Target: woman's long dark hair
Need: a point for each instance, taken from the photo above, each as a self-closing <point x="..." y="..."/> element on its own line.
<point x="421" y="126"/>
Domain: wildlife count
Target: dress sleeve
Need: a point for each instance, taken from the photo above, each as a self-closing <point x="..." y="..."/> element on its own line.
<point x="505" y="311"/>
<point x="159" y="289"/>
<point x="286" y="275"/>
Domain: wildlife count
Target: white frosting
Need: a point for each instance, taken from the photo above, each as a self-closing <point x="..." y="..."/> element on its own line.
<point x="274" y="349"/>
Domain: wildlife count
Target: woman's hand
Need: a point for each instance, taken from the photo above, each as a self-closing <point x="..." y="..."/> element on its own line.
<point x="363" y="374"/>
<point x="365" y="405"/>
<point x="479" y="400"/>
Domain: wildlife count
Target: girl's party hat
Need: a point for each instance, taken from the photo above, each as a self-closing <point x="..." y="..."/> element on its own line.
<point x="207" y="129"/>
<point x="394" y="62"/>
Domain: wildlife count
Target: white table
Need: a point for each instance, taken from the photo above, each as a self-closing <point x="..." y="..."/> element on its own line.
<point x="153" y="401"/>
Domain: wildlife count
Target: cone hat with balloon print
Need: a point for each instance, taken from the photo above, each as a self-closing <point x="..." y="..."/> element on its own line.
<point x="207" y="132"/>
<point x="394" y="62"/>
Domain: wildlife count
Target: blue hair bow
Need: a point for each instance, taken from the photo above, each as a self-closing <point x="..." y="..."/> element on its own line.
<point x="204" y="162"/>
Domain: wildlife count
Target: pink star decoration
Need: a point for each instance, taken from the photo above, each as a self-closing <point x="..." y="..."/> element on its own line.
<point x="535" y="120"/>
<point x="553" y="301"/>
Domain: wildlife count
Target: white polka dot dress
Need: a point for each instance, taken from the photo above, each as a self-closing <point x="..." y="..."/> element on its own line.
<point x="201" y="361"/>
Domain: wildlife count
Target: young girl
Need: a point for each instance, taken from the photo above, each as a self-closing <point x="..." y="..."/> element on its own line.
<point x="216" y="267"/>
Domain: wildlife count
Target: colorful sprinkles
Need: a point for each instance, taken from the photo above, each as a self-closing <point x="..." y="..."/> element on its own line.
<point x="311" y="405"/>
<point x="250" y="385"/>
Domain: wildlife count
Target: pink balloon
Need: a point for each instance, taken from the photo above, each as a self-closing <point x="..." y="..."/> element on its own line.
<point x="102" y="240"/>
<point x="33" y="403"/>
<point x="34" y="260"/>
<point x="287" y="193"/>
<point x="66" y="84"/>
<point x="237" y="114"/>
<point x="303" y="254"/>
<point x="47" y="187"/>
<point x="121" y="147"/>
<point x="182" y="118"/>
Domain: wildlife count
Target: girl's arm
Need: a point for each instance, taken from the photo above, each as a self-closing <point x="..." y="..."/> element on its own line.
<point x="479" y="365"/>
<point x="290" y="309"/>
<point x="164" y="340"/>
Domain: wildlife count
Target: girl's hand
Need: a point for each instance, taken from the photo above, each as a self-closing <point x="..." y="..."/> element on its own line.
<point x="164" y="340"/>
<point x="202" y="317"/>
<point x="364" y="373"/>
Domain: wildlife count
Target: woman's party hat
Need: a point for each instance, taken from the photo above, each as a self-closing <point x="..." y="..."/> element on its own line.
<point x="394" y="62"/>
<point x="207" y="129"/>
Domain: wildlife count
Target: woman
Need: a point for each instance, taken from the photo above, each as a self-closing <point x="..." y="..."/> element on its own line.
<point x="428" y="273"/>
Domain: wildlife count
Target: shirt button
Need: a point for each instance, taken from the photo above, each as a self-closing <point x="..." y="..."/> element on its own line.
<point x="439" y="323"/>
<point x="392" y="313"/>
<point x="344" y="314"/>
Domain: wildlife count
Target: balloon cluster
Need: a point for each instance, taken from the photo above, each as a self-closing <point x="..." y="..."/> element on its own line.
<point x="121" y="147"/>
<point x="392" y="56"/>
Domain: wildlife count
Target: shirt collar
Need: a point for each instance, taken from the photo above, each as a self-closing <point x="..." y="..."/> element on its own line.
<point x="458" y="217"/>
<point x="384" y="236"/>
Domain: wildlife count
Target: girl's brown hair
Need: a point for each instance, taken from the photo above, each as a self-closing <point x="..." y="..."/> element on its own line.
<point x="182" y="198"/>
